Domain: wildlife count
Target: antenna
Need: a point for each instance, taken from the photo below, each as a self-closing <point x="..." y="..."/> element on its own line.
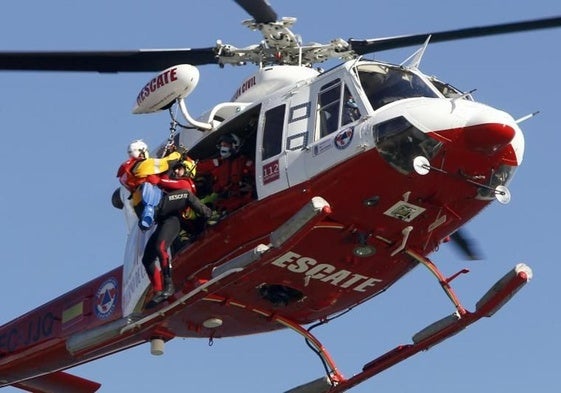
<point x="414" y="60"/>
<point x="524" y="118"/>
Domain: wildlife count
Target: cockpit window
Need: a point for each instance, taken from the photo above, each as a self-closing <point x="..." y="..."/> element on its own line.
<point x="384" y="84"/>
<point x="449" y="91"/>
<point x="399" y="142"/>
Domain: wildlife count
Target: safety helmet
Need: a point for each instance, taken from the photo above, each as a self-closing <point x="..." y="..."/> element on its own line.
<point x="138" y="147"/>
<point x="231" y="139"/>
<point x="189" y="165"/>
<point x="351" y="103"/>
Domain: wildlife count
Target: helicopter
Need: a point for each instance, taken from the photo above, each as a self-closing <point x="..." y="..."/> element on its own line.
<point x="424" y="165"/>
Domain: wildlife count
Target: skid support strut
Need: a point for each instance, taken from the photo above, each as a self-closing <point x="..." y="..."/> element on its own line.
<point x="491" y="302"/>
<point x="334" y="374"/>
<point x="444" y="282"/>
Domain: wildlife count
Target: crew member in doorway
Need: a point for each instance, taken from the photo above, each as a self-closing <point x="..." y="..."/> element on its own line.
<point x="232" y="175"/>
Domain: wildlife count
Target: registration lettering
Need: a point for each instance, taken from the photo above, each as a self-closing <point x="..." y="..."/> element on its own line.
<point x="26" y="333"/>
<point x="324" y="272"/>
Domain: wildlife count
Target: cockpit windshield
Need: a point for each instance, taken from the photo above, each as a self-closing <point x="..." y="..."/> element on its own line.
<point x="384" y="84"/>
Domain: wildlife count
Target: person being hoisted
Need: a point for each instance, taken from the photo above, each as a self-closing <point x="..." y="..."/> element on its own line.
<point x="137" y="151"/>
<point x="134" y="173"/>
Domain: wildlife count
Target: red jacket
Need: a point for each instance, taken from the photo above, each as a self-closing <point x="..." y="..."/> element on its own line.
<point x="135" y="171"/>
<point x="233" y="179"/>
<point x="228" y="175"/>
<point x="168" y="184"/>
<point x="126" y="177"/>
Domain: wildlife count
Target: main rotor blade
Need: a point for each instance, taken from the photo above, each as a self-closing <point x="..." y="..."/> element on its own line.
<point x="151" y="60"/>
<point x="362" y="47"/>
<point x="261" y="10"/>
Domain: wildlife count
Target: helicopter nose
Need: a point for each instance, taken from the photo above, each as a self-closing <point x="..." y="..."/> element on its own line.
<point x="488" y="138"/>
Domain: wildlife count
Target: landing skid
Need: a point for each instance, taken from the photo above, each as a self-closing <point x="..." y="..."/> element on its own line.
<point x="435" y="333"/>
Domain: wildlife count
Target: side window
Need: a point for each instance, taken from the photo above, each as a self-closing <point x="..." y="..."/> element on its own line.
<point x="329" y="100"/>
<point x="272" y="132"/>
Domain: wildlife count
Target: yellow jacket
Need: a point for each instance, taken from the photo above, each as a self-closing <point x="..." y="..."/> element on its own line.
<point x="154" y="166"/>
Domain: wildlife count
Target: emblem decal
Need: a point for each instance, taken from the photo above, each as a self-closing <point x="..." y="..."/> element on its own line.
<point x="344" y="138"/>
<point x="106" y="299"/>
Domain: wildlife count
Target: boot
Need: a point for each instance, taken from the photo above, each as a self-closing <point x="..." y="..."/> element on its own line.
<point x="169" y="289"/>
<point x="158" y="297"/>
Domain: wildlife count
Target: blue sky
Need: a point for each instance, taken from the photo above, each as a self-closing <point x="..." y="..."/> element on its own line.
<point x="64" y="135"/>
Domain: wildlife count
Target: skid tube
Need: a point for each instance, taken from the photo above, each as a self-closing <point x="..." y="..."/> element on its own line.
<point x="496" y="297"/>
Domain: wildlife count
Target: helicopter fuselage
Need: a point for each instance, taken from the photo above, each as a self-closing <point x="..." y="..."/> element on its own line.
<point x="350" y="136"/>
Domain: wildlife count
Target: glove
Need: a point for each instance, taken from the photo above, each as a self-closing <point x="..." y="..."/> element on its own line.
<point x="214" y="218"/>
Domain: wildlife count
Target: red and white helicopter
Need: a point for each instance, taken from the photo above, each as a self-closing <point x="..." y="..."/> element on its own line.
<point x="322" y="178"/>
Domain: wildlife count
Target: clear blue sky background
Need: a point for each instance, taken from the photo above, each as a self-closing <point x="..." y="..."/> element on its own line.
<point x="64" y="135"/>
